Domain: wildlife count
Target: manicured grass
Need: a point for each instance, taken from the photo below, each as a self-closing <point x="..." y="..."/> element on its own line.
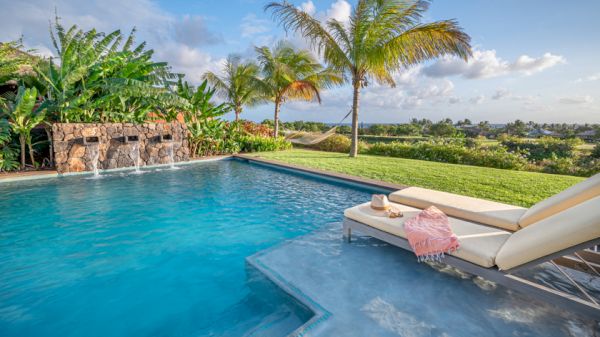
<point x="512" y="187"/>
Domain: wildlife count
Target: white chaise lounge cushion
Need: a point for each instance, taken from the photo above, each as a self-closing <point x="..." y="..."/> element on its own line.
<point x="570" y="197"/>
<point x="478" y="244"/>
<point x="563" y="230"/>
<point x="476" y="210"/>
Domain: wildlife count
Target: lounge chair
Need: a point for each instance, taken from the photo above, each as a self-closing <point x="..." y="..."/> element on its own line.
<point x="496" y="239"/>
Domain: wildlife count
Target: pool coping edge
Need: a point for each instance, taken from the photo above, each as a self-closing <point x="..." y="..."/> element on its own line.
<point x="53" y="174"/>
<point x="372" y="183"/>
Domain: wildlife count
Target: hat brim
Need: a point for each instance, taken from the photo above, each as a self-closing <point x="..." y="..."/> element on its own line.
<point x="380" y="213"/>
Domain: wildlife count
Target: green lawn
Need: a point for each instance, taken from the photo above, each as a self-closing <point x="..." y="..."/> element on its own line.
<point x="512" y="187"/>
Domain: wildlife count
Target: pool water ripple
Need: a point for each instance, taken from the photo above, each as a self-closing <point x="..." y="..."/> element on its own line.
<point x="157" y="254"/>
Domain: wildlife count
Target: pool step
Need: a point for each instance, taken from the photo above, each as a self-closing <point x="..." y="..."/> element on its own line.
<point x="278" y="324"/>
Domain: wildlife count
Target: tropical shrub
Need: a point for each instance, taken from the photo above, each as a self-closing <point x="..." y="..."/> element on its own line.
<point x="255" y="129"/>
<point x="13" y="62"/>
<point x="543" y="148"/>
<point x="596" y="152"/>
<point x="559" y="165"/>
<point x="24" y="114"/>
<point x="212" y="137"/>
<point x="588" y="167"/>
<point x="261" y="144"/>
<point x="335" y="143"/>
<point x="8" y="155"/>
<point x="450" y="153"/>
<point x="443" y="129"/>
<point x="101" y="79"/>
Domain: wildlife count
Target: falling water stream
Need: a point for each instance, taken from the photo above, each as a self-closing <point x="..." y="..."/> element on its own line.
<point x="135" y="155"/>
<point x="171" y="154"/>
<point x="94" y="150"/>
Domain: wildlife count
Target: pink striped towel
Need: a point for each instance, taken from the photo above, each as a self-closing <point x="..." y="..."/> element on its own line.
<point x="430" y="236"/>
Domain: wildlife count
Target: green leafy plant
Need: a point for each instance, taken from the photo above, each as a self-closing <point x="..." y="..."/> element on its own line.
<point x="23" y="115"/>
<point x="14" y="62"/>
<point x="262" y="144"/>
<point x="542" y="148"/>
<point x="8" y="155"/>
<point x="450" y="153"/>
<point x="596" y="151"/>
<point x="334" y="143"/>
<point x="101" y="78"/>
<point x="382" y="37"/>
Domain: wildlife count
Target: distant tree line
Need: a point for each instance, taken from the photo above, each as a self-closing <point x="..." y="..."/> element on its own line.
<point x="446" y="128"/>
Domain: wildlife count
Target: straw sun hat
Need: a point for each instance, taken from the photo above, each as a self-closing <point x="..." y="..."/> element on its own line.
<point x="381" y="206"/>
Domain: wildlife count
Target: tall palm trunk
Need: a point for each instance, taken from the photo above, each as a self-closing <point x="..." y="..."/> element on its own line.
<point x="22" y="142"/>
<point x="276" y="118"/>
<point x="355" y="103"/>
<point x="238" y="111"/>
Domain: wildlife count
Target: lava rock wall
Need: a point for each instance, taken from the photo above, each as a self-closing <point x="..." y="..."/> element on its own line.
<point x="78" y="145"/>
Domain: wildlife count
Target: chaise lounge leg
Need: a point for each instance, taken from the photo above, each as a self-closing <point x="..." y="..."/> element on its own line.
<point x="347" y="232"/>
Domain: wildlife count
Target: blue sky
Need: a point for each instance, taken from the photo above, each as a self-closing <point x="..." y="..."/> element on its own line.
<point x="533" y="60"/>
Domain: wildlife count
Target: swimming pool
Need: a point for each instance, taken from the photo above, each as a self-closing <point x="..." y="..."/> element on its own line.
<point x="155" y="254"/>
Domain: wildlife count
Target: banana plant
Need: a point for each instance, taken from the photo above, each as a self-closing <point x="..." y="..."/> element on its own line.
<point x="8" y="155"/>
<point x="24" y="114"/>
<point x="102" y="79"/>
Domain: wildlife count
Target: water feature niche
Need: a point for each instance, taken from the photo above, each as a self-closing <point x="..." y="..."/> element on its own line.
<point x="92" y="145"/>
<point x="168" y="140"/>
<point x="134" y="153"/>
<point x="115" y="150"/>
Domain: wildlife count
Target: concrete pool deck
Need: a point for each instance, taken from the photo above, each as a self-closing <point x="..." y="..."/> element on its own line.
<point x="369" y="288"/>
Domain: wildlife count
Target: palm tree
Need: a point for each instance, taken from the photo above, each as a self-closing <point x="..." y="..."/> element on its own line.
<point x="382" y="36"/>
<point x="290" y="74"/>
<point x="239" y="84"/>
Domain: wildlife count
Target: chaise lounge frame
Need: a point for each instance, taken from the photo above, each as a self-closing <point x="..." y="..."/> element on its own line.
<point x="589" y="307"/>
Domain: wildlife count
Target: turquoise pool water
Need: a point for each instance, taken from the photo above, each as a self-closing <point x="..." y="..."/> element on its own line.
<point x="156" y="254"/>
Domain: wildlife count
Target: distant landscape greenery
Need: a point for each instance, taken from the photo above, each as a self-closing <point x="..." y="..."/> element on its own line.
<point x="424" y="128"/>
<point x="546" y="154"/>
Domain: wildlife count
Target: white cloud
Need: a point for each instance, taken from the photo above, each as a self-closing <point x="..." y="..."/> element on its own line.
<point x="308" y="7"/>
<point x="190" y="61"/>
<point x="576" y="100"/>
<point x="454" y="100"/>
<point x="412" y="91"/>
<point x="501" y="93"/>
<point x="477" y="99"/>
<point x="192" y="31"/>
<point x="591" y="78"/>
<point x="251" y="25"/>
<point x="530" y="65"/>
<point x="486" y="64"/>
<point x="340" y="10"/>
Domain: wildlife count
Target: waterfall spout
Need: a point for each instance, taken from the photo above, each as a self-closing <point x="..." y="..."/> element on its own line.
<point x="135" y="155"/>
<point x="95" y="154"/>
<point x="171" y="153"/>
<point x="93" y="148"/>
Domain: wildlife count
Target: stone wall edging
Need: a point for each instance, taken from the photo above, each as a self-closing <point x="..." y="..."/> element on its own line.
<point x="72" y="155"/>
